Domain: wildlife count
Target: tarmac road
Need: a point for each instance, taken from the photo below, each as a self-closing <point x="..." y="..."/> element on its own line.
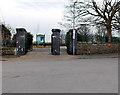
<point x="41" y="72"/>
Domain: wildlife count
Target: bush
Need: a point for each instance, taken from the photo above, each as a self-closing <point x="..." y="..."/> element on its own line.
<point x="28" y="41"/>
<point x="8" y="43"/>
<point x="83" y="38"/>
<point x="116" y="39"/>
<point x="67" y="42"/>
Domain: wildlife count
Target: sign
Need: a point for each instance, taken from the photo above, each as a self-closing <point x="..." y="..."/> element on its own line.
<point x="74" y="34"/>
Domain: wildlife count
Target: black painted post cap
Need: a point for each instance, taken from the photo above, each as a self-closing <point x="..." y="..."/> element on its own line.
<point x="21" y="30"/>
<point x="56" y="30"/>
<point x="71" y="30"/>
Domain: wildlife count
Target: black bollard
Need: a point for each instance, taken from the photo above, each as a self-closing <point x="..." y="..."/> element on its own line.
<point x="55" y="37"/>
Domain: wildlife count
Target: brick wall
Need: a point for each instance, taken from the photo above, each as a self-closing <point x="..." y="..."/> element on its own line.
<point x="89" y="48"/>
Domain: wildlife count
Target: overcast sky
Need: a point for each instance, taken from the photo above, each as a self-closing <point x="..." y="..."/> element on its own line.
<point x="36" y="16"/>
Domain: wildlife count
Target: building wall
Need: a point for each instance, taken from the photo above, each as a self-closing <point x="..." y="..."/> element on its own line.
<point x="40" y="39"/>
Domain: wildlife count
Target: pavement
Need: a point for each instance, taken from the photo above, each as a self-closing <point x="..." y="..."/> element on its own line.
<point x="41" y="72"/>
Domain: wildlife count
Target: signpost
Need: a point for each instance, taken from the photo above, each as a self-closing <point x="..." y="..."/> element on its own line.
<point x="73" y="41"/>
<point x="74" y="28"/>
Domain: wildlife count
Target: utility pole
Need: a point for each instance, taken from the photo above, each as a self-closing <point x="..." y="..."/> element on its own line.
<point x="119" y="20"/>
<point x="74" y="27"/>
<point x="119" y="13"/>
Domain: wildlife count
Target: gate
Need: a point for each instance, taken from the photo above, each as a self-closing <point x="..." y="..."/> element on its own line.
<point x="55" y="42"/>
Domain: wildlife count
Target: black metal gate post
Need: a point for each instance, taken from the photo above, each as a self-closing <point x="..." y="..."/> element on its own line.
<point x="72" y="38"/>
<point x="55" y="37"/>
<point x="1" y="37"/>
<point x="21" y="41"/>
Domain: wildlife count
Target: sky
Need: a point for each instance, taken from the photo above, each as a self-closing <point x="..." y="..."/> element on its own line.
<point x="36" y="16"/>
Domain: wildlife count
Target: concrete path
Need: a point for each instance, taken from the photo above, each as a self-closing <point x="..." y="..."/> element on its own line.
<point x="40" y="72"/>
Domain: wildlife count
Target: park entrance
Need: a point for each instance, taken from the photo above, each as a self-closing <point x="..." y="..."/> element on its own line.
<point x="54" y="49"/>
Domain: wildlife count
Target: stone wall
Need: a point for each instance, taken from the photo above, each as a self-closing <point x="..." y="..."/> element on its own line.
<point x="89" y="48"/>
<point x="7" y="51"/>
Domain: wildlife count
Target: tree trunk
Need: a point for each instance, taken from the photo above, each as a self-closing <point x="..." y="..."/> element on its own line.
<point x="109" y="33"/>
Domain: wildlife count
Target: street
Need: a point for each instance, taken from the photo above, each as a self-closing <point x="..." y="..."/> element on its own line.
<point x="41" y="72"/>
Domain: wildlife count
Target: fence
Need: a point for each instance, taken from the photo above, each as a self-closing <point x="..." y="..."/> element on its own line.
<point x="90" y="48"/>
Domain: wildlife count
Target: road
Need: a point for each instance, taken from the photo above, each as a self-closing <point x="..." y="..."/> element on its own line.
<point x="41" y="72"/>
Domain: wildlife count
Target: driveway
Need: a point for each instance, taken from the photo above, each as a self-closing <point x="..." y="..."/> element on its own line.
<point x="41" y="72"/>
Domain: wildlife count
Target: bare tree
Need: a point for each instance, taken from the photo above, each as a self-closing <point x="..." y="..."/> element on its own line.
<point x="105" y="13"/>
<point x="101" y="33"/>
<point x="62" y="37"/>
<point x="83" y="29"/>
<point x="84" y="32"/>
<point x="71" y="14"/>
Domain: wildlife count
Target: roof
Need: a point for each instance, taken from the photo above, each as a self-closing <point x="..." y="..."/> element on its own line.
<point x="40" y="34"/>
